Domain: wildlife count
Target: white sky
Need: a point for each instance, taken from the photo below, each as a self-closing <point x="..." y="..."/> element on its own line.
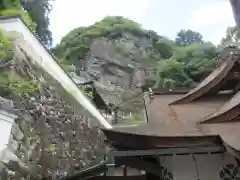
<point x="209" y="17"/>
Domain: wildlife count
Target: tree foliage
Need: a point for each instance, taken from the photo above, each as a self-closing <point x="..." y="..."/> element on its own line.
<point x="186" y="37"/>
<point x="165" y="47"/>
<point x="232" y="36"/>
<point x="34" y="12"/>
<point x="76" y="44"/>
<point x="5" y="45"/>
<point x="186" y="61"/>
<point x="39" y="11"/>
<point x="171" y="74"/>
<point x="9" y="4"/>
<point x="181" y="63"/>
<point x="188" y="65"/>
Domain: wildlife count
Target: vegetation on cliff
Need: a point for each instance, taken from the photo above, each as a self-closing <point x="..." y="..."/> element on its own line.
<point x="77" y="43"/>
<point x="187" y="66"/>
<point x="180" y="63"/>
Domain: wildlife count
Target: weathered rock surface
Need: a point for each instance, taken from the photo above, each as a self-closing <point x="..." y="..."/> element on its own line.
<point x="119" y="67"/>
<point x="122" y="62"/>
<point x="116" y="53"/>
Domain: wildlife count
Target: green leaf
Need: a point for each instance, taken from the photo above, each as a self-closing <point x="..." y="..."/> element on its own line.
<point x="50" y="148"/>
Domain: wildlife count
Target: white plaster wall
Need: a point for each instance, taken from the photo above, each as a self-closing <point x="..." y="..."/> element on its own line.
<point x="34" y="48"/>
<point x="5" y="130"/>
<point x="183" y="167"/>
<point x="6" y="122"/>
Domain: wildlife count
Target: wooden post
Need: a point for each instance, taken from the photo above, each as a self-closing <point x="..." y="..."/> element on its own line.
<point x="125" y="171"/>
<point x="149" y="175"/>
<point x="110" y="171"/>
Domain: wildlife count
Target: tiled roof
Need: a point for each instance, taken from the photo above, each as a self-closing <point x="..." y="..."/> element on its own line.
<point x="229" y="111"/>
<point x="172" y="125"/>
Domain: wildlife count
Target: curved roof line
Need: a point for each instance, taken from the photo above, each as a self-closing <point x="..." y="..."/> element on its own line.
<point x="227" y="112"/>
<point x="135" y="140"/>
<point x="209" y="82"/>
<point x="235" y="4"/>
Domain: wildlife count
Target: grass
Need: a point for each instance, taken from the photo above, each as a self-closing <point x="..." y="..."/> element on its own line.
<point x="132" y="120"/>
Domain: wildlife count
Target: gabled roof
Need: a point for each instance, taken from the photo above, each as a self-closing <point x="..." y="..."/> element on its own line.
<point x="190" y="124"/>
<point x="170" y="125"/>
<point x="228" y="112"/>
<point x="218" y="76"/>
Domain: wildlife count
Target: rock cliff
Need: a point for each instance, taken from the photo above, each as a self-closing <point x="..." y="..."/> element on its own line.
<point x="115" y="52"/>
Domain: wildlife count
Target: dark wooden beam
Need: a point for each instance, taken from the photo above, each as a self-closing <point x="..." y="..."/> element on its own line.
<point x="125" y="170"/>
<point x="168" y="151"/>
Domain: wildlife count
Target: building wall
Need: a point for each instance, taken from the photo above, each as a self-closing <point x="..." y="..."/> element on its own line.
<point x="6" y="121"/>
<point x="208" y="165"/>
<point x="184" y="167"/>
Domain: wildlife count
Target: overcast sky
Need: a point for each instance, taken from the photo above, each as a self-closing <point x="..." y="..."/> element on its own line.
<point x="166" y="17"/>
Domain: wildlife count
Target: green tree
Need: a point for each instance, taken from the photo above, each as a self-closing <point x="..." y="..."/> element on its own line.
<point x="188" y="65"/>
<point x="76" y="44"/>
<point x="171" y="75"/>
<point x="186" y="37"/>
<point x="232" y="36"/>
<point x="182" y="62"/>
<point x="39" y="11"/>
<point x="165" y="47"/>
<point x="10" y="4"/>
<point x="5" y="46"/>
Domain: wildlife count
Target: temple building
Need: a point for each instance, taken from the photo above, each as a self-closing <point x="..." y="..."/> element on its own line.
<point x="190" y="134"/>
<point x="186" y="129"/>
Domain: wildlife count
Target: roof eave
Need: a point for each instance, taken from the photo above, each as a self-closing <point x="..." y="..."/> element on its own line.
<point x="235" y="4"/>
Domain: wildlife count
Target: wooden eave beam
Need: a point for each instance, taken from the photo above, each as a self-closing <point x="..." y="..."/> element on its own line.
<point x="228" y="116"/>
<point x="236" y="10"/>
<point x="167" y="151"/>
